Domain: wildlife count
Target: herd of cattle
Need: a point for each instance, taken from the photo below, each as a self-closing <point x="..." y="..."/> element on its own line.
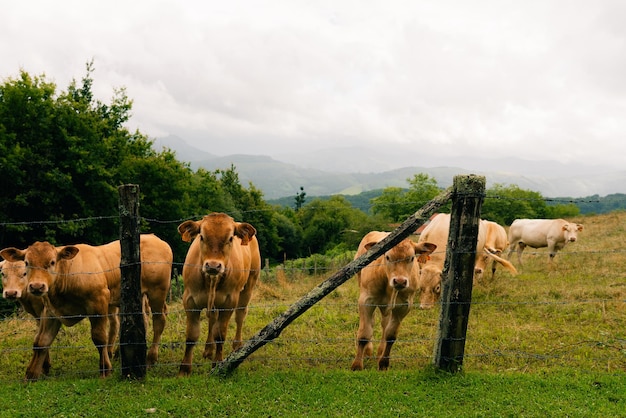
<point x="65" y="284"/>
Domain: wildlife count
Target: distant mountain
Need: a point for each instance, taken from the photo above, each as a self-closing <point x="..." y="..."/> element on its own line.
<point x="184" y="151"/>
<point x="342" y="173"/>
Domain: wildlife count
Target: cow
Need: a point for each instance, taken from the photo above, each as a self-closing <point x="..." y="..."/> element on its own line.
<point x="15" y="287"/>
<point x="541" y="233"/>
<point x="221" y="269"/>
<point x="496" y="242"/>
<point x="389" y="283"/>
<point x="430" y="277"/>
<point x="78" y="281"/>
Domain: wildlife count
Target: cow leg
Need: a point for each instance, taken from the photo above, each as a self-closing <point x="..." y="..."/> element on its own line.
<point x="219" y="332"/>
<point x="159" y="318"/>
<point x="385" y="313"/>
<point x="192" y="334"/>
<point x="209" y="346"/>
<point x="100" y="338"/>
<point x="46" y="364"/>
<point x="364" y="334"/>
<point x="46" y="333"/>
<point x="390" y="334"/>
<point x="114" y="329"/>
<point x="242" y="308"/>
<point x="520" y="250"/>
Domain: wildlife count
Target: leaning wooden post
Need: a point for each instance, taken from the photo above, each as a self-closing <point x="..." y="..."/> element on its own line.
<point x="458" y="273"/>
<point x="132" y="327"/>
<point x="274" y="328"/>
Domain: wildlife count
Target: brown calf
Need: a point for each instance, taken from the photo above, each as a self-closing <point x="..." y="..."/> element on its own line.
<point x="15" y="287"/>
<point x="389" y="283"/>
<point x="220" y="272"/>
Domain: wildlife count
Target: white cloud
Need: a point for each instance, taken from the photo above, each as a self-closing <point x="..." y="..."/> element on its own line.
<point x="536" y="79"/>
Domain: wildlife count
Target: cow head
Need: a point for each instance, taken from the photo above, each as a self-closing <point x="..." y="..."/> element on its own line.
<point x="216" y="233"/>
<point x="401" y="260"/>
<point x="429" y="283"/>
<point x="571" y="230"/>
<point x="14" y="279"/>
<point x="41" y="261"/>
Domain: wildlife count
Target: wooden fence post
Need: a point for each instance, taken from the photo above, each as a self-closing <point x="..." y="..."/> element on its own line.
<point x="132" y="328"/>
<point x="458" y="273"/>
<point x="274" y="328"/>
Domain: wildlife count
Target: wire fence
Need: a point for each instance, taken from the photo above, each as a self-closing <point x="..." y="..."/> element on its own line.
<point x="572" y="315"/>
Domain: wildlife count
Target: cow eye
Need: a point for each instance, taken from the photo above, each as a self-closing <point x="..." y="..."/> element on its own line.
<point x="26" y="263"/>
<point x="411" y="259"/>
<point x="52" y="263"/>
<point x="387" y="258"/>
<point x="438" y="289"/>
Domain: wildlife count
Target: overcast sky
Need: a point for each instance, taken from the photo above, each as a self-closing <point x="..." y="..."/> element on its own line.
<point x="539" y="79"/>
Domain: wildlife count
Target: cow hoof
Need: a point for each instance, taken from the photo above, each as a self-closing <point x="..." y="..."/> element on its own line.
<point x="357" y="366"/>
<point x="184" y="371"/>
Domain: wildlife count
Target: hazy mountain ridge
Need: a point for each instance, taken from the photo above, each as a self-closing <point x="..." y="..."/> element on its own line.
<point x="279" y="179"/>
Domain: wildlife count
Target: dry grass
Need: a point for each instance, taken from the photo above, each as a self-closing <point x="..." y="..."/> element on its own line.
<point x="571" y="315"/>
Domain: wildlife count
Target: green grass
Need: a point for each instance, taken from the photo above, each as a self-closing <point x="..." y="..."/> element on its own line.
<point x="338" y="393"/>
<point x="550" y="341"/>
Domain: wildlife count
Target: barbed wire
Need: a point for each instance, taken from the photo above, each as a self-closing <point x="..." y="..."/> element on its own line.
<point x="200" y="216"/>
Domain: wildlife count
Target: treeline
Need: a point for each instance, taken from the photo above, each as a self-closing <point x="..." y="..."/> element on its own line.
<point x="64" y="154"/>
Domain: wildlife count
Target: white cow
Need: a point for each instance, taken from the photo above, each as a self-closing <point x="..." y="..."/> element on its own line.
<point x="496" y="242"/>
<point x="541" y="233"/>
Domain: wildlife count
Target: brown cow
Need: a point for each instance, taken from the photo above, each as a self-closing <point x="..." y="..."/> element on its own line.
<point x="221" y="269"/>
<point x="430" y="278"/>
<point x="389" y="283"/>
<point x="14" y="287"/>
<point x="78" y="281"/>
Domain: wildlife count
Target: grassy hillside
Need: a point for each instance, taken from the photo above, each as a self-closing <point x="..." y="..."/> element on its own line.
<point x="550" y="341"/>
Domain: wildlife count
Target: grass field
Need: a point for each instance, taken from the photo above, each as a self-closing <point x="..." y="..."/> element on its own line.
<point x="549" y="341"/>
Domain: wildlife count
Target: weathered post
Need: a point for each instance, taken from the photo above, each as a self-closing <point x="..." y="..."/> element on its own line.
<point x="458" y="273"/>
<point x="132" y="328"/>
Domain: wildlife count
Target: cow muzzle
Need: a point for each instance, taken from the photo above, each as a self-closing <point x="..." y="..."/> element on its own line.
<point x="38" y="288"/>
<point x="399" y="283"/>
<point x="11" y="294"/>
<point x="213" y="268"/>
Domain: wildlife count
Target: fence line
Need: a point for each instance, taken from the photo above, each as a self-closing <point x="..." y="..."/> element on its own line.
<point x="198" y="216"/>
<point x="348" y="341"/>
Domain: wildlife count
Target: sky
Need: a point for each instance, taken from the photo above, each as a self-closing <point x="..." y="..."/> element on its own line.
<point x="535" y="79"/>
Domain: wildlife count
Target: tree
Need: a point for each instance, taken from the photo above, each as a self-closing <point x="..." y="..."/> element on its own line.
<point x="389" y="204"/>
<point x="327" y="223"/>
<point x="503" y="204"/>
<point x="65" y="155"/>
<point x="300" y="199"/>
<point x="397" y="204"/>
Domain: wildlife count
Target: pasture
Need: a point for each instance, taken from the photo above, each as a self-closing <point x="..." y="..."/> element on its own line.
<point x="568" y="319"/>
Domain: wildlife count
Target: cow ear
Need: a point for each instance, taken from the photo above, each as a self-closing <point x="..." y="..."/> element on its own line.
<point x="424" y="248"/>
<point x="67" y="253"/>
<point x="188" y="230"/>
<point x="369" y="245"/>
<point x="245" y="231"/>
<point x="12" y="254"/>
